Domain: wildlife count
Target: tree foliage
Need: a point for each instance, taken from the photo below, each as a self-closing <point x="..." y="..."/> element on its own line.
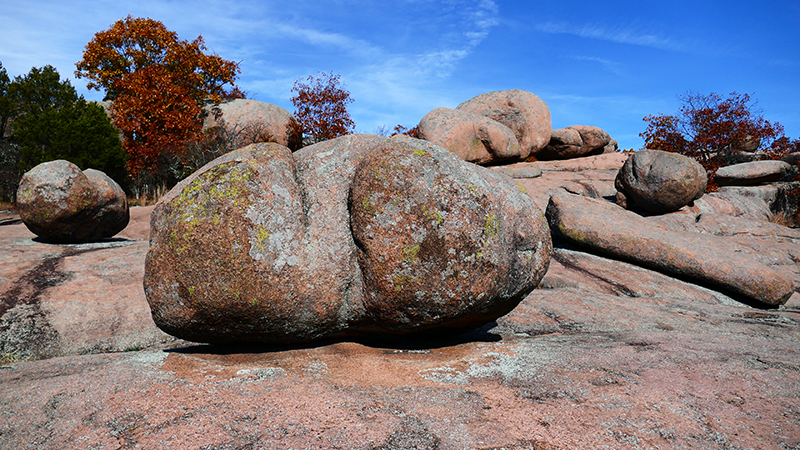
<point x="713" y="129"/>
<point x="321" y="107"/>
<point x="157" y="83"/>
<point x="50" y="121"/>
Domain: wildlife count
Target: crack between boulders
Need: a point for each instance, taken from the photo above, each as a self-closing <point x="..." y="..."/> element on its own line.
<point x="617" y="288"/>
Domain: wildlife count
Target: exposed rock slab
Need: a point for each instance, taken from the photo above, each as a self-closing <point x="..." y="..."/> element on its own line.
<point x="751" y="173"/>
<point x="605" y="227"/>
<point x="58" y="300"/>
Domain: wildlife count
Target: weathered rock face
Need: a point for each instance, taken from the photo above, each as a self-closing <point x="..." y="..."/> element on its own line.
<point x="605" y="227"/>
<point x="441" y="243"/>
<point x="472" y="137"/>
<point x="249" y="119"/>
<point x="659" y="181"/>
<point x="521" y="111"/>
<point x="259" y="245"/>
<point x="61" y="204"/>
<point x="74" y="299"/>
<point x="751" y="173"/>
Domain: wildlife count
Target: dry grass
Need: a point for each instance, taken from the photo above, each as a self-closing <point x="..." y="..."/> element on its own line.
<point x="7" y="206"/>
<point x="781" y="218"/>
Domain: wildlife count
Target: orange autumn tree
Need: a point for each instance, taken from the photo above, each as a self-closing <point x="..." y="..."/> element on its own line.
<point x="321" y="107"/>
<point x="157" y="84"/>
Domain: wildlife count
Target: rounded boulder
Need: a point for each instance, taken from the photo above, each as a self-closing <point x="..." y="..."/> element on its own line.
<point x="61" y="204"/>
<point x="472" y="137"/>
<point x="523" y="112"/>
<point x="264" y="245"/>
<point x="659" y="182"/>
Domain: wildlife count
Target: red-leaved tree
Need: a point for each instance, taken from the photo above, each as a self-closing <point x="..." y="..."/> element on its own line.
<point x="321" y="107"/>
<point x="157" y="84"/>
<point x="716" y="131"/>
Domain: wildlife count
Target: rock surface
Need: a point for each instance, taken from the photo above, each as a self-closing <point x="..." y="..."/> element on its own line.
<point x="659" y="182"/>
<point x="61" y="204"/>
<point x="472" y="137"/>
<point x="521" y="111"/>
<point x="604" y="354"/>
<point x="751" y="173"/>
<point x="607" y="228"/>
<point x="58" y="300"/>
<point x="249" y="119"/>
<point x="353" y="236"/>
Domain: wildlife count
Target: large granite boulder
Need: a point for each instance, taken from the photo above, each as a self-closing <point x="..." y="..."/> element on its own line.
<point x="521" y="111"/>
<point x="61" y="204"/>
<point x="752" y="173"/>
<point x="472" y="137"/>
<point x="357" y="235"/>
<point x="249" y="120"/>
<point x="605" y="227"/>
<point x="659" y="182"/>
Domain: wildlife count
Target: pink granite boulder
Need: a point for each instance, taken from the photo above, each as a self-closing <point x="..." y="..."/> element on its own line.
<point x="659" y="182"/>
<point x="473" y="138"/>
<point x="521" y="111"/>
<point x="250" y="120"/>
<point x="61" y="204"/>
<point x="359" y="235"/>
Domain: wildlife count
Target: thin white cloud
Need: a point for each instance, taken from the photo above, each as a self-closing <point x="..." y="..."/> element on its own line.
<point x="620" y="36"/>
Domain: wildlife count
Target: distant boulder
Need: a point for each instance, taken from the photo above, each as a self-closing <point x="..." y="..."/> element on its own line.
<point x="576" y="141"/>
<point x="252" y="121"/>
<point x="61" y="204"/>
<point x="521" y="111"/>
<point x="752" y="173"/>
<point x="659" y="181"/>
<point x="472" y="137"/>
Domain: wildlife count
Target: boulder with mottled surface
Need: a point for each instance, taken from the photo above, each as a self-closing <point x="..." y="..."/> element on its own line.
<point x="659" y="181"/>
<point x="61" y="204"/>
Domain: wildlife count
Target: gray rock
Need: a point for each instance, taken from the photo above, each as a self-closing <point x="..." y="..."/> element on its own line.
<point x="347" y="237"/>
<point x="521" y="111"/>
<point x="751" y="173"/>
<point x="659" y="181"/>
<point x="61" y="204"/>
<point x="605" y="227"/>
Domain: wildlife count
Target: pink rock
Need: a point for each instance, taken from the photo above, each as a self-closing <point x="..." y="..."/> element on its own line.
<point x="473" y="138"/>
<point x="259" y="245"/>
<point x="59" y="203"/>
<point x="751" y="173"/>
<point x="605" y="227"/>
<point x="249" y="119"/>
<point x="521" y="111"/>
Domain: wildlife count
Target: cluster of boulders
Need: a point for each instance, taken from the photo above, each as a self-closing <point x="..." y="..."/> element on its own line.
<point x="368" y="235"/>
<point x="509" y="126"/>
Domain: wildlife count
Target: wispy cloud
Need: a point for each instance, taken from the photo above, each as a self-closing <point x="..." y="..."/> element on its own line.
<point x="620" y="36"/>
<point x="611" y="66"/>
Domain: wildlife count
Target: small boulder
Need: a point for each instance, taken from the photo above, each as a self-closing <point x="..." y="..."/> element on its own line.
<point x="523" y="112"/>
<point x="565" y="143"/>
<point x="752" y="173"/>
<point x="473" y="138"/>
<point x="659" y="182"/>
<point x="359" y="235"/>
<point x="251" y="120"/>
<point x="61" y="204"/>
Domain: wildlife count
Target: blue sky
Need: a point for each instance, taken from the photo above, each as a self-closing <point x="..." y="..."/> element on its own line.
<point x="606" y="64"/>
